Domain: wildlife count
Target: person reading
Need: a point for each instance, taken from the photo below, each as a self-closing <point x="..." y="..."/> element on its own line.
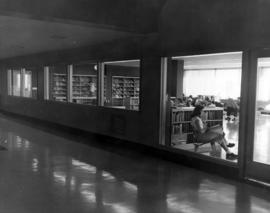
<point x="210" y="135"/>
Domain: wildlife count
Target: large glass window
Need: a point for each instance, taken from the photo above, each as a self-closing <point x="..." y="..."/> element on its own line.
<point x="58" y="83"/>
<point x="21" y="83"/>
<point x="27" y="85"/>
<point x="122" y="84"/>
<point x="111" y="84"/>
<point x="213" y="82"/>
<point x="261" y="146"/>
<point x="84" y="83"/>
<point x="16" y="82"/>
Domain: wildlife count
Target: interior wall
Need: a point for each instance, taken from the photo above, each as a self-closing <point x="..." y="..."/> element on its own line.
<point x="136" y="126"/>
<point x="194" y="26"/>
<point x="85" y="69"/>
<point x="150" y="99"/>
<point x="122" y="70"/>
<point x="116" y="70"/>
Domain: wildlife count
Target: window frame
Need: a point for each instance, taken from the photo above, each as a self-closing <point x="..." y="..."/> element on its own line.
<point x="139" y="77"/>
<point x="100" y="84"/>
<point x="10" y="82"/>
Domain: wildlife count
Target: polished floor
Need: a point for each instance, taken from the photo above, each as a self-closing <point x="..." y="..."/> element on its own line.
<point x="42" y="172"/>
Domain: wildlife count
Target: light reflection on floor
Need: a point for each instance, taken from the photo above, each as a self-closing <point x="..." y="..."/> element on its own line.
<point x="43" y="172"/>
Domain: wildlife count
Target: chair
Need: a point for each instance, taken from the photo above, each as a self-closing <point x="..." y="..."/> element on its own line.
<point x="197" y="143"/>
<point x="192" y="139"/>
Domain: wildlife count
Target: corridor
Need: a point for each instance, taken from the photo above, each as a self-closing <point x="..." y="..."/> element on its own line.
<point x="45" y="171"/>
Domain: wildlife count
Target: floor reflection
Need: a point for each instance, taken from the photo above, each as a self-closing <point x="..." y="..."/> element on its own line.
<point x="43" y="172"/>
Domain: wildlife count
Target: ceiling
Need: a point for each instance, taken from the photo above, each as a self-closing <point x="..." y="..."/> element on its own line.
<point x="23" y="36"/>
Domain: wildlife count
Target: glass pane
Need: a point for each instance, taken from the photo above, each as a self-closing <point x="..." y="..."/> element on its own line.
<point x="214" y="82"/>
<point x="122" y="84"/>
<point x="34" y="76"/>
<point x="84" y="83"/>
<point x="16" y="83"/>
<point x="261" y="150"/>
<point x="58" y="83"/>
<point x="27" y="90"/>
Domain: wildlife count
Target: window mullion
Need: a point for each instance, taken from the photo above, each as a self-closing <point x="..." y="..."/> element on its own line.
<point x="46" y="83"/>
<point x="69" y="83"/>
<point x="100" y="84"/>
<point x="22" y="90"/>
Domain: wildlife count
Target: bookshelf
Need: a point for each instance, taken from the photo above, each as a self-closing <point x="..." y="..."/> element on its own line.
<point x="84" y="89"/>
<point x="125" y="91"/>
<point x="181" y="129"/>
<point x="132" y="103"/>
<point x="59" y="87"/>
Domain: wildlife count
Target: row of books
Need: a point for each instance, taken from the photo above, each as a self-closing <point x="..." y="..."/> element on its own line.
<point x="214" y="123"/>
<point x="180" y="129"/>
<point x="183" y="128"/>
<point x="213" y="115"/>
<point x="179" y="116"/>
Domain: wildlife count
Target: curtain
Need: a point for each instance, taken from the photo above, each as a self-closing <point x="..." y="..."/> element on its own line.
<point x="222" y="83"/>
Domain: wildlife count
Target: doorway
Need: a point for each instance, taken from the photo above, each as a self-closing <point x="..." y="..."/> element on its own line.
<point x="258" y="128"/>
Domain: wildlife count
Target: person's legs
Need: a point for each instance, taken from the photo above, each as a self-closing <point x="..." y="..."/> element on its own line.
<point x="212" y="137"/>
<point x="219" y="131"/>
<point x="213" y="146"/>
<point x="223" y="144"/>
<point x="229" y="154"/>
<point x="208" y="137"/>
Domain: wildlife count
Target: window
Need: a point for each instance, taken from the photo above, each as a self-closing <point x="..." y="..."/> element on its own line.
<point x="58" y="86"/>
<point x="111" y="84"/>
<point x="16" y="82"/>
<point x="27" y="85"/>
<point x="20" y="83"/>
<point x="122" y="84"/>
<point x="213" y="81"/>
<point x="84" y="83"/>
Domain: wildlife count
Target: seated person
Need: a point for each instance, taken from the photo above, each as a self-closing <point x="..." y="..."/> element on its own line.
<point x="189" y="102"/>
<point x="179" y="102"/>
<point x="210" y="135"/>
<point x="199" y="100"/>
<point x="232" y="109"/>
